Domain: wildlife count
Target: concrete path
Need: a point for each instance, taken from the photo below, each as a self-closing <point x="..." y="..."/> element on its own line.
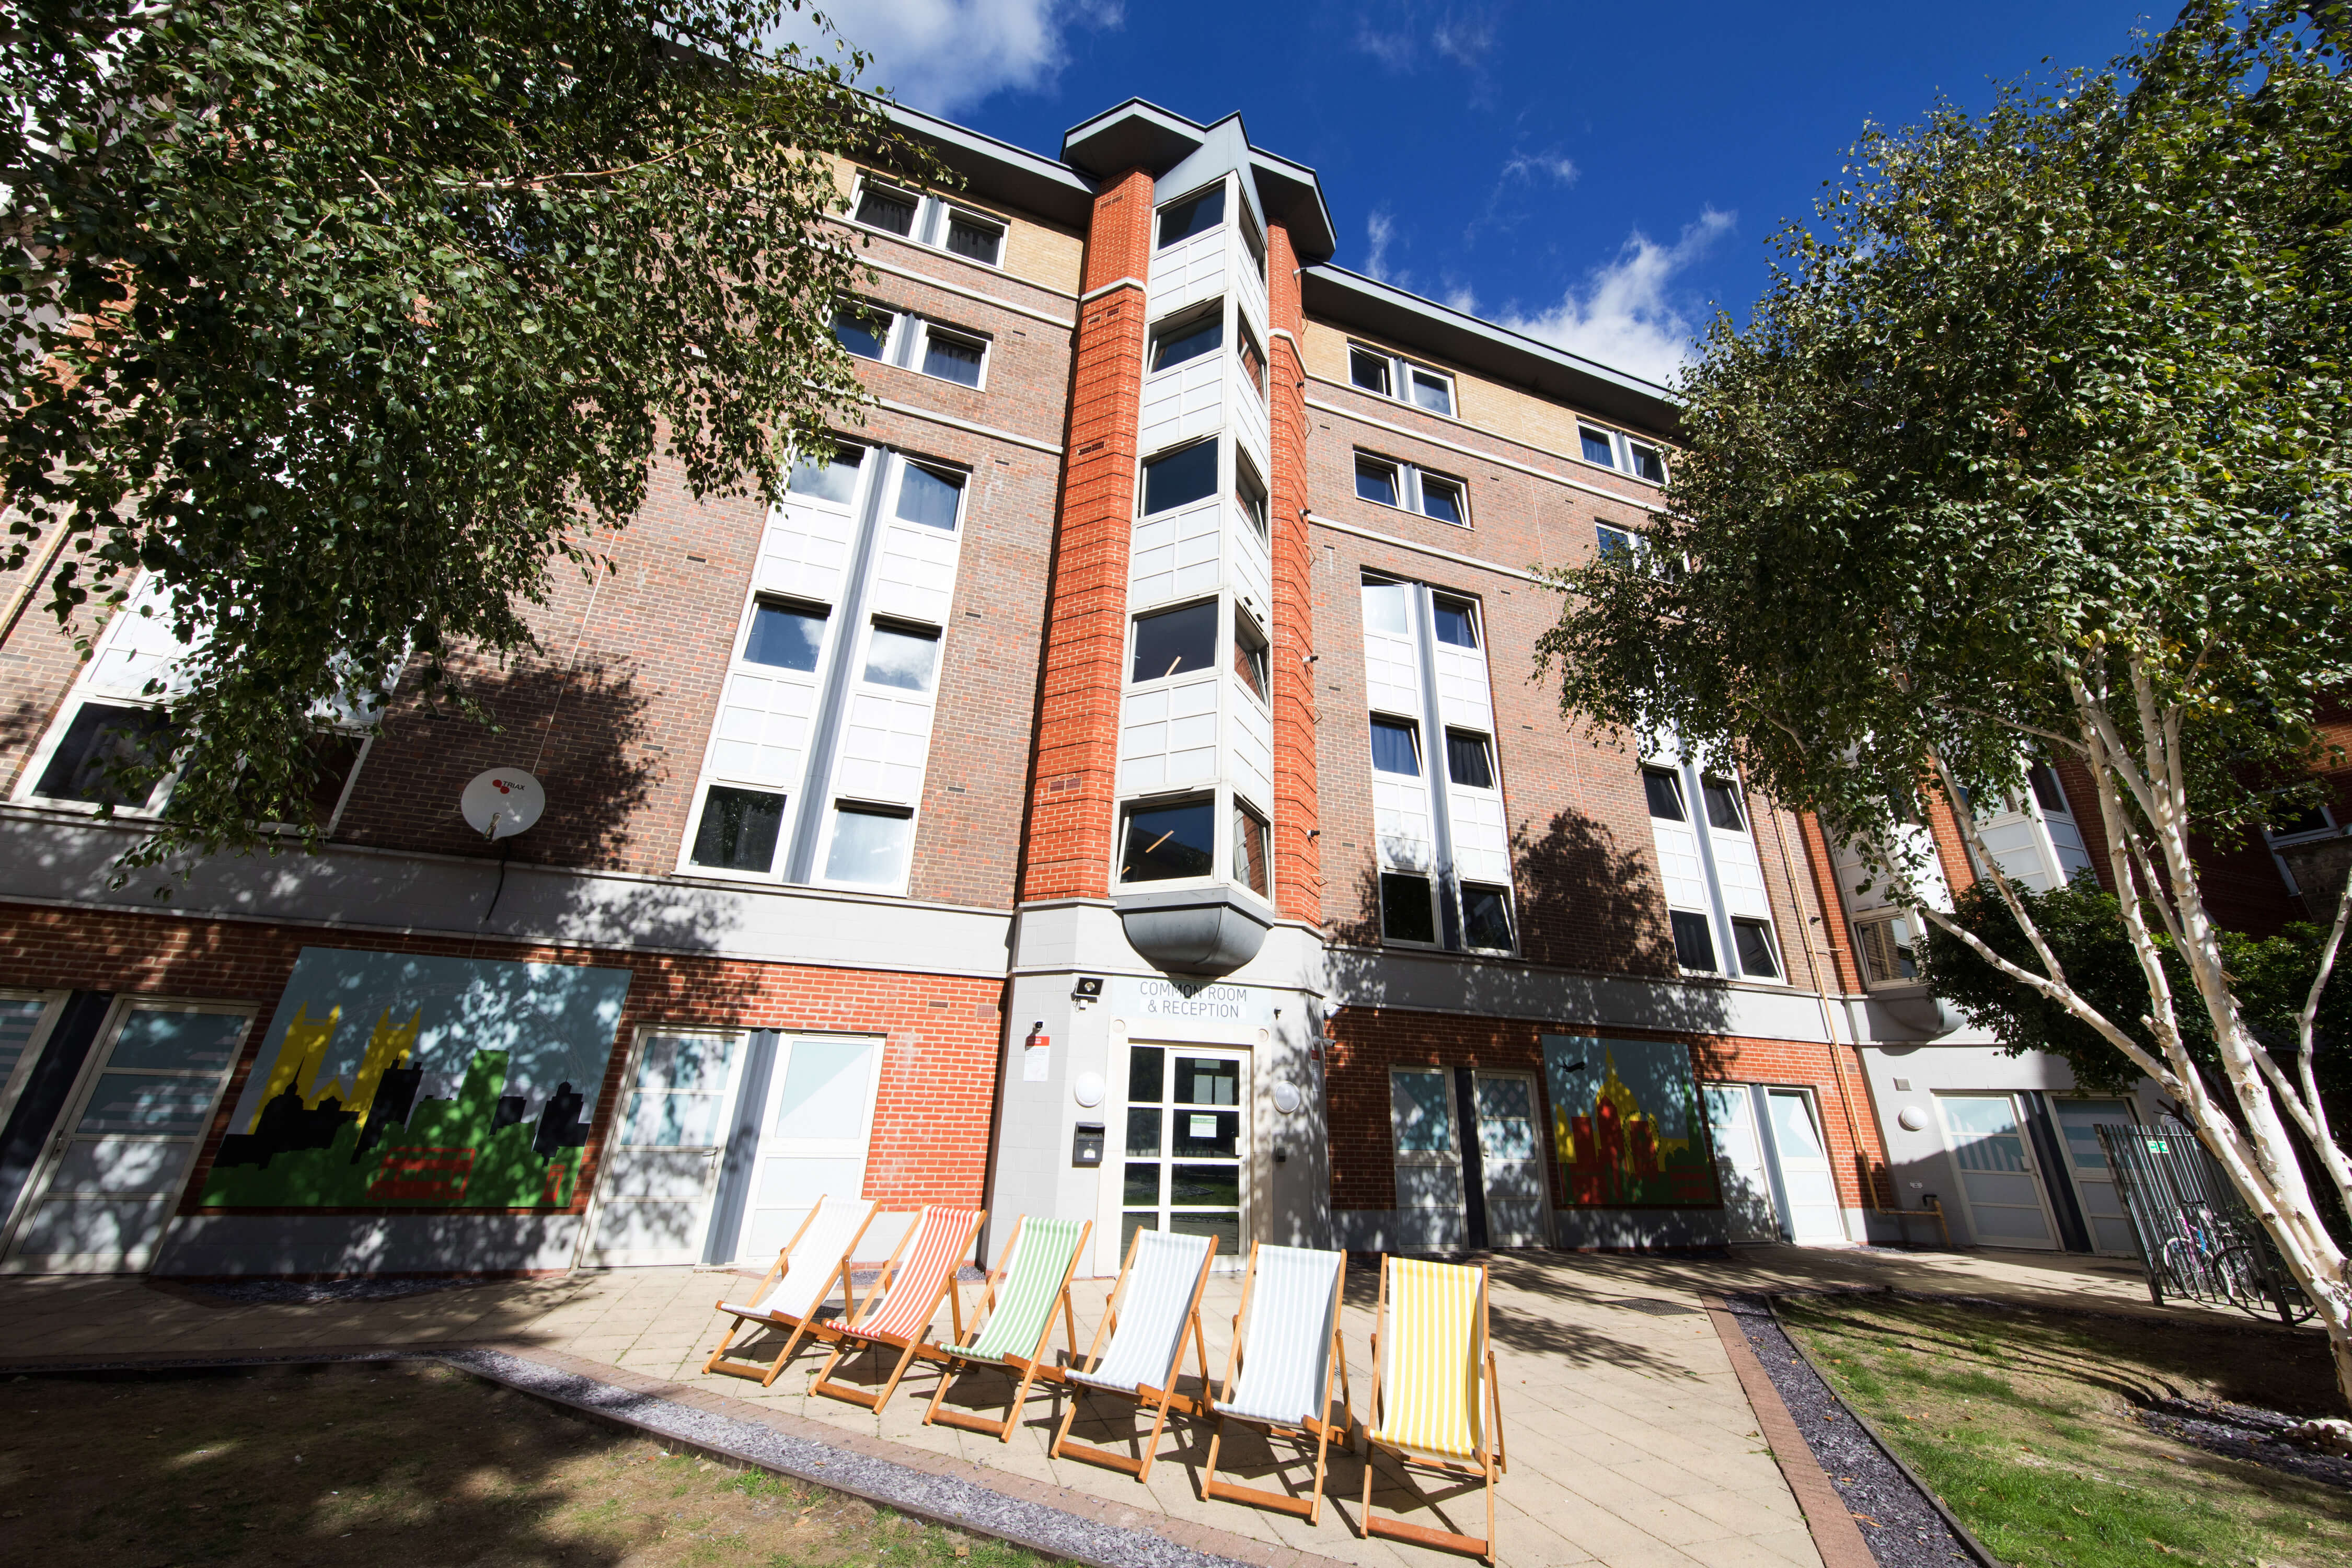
<point x="1631" y="1441"/>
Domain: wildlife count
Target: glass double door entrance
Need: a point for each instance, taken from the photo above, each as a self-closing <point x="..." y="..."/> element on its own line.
<point x="1184" y="1164"/>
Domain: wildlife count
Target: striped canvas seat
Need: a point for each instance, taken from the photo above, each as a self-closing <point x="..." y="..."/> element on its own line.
<point x="804" y="1273"/>
<point x="1435" y="1402"/>
<point x="1286" y="1349"/>
<point x="898" y="1311"/>
<point x="1154" y="1306"/>
<point x="1032" y="1281"/>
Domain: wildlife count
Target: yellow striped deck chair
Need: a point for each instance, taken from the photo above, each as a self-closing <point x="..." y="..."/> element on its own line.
<point x="1015" y="1318"/>
<point x="898" y="1311"/>
<point x="796" y="1288"/>
<point x="1435" y="1402"/>
<point x="1153" y="1310"/>
<point x="1282" y="1380"/>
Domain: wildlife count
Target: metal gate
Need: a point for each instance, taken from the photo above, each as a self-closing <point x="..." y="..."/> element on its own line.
<point x="2197" y="1238"/>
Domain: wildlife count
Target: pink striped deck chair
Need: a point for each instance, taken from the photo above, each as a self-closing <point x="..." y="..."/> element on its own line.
<point x="897" y="1312"/>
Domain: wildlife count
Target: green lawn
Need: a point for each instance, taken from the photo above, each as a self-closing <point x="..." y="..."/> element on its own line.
<point x="2020" y="1419"/>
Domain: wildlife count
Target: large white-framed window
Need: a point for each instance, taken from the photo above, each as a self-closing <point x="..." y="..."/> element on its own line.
<point x="1716" y="905"/>
<point x="1195" y="213"/>
<point x="1390" y="481"/>
<point x="1386" y="374"/>
<point x="1608" y="448"/>
<point x="939" y="221"/>
<point x="909" y="342"/>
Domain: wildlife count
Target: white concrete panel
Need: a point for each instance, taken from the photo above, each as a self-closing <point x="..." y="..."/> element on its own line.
<point x="1400" y="822"/>
<point x="138" y="647"/>
<point x="1852" y="875"/>
<point x="1393" y="676"/>
<point x="1249" y="289"/>
<point x="1253" y="748"/>
<point x="1183" y="402"/>
<point x="1167" y="737"/>
<point x="1248" y="419"/>
<point x="1191" y="271"/>
<point x="884" y="743"/>
<point x="2015" y="843"/>
<point x="1481" y="844"/>
<point x="804" y="552"/>
<point x="1678" y="864"/>
<point x="1742" y="878"/>
<point x="762" y="728"/>
<point x="1463" y="696"/>
<point x="1175" y="555"/>
<point x="914" y="573"/>
<point x="1251" y="572"/>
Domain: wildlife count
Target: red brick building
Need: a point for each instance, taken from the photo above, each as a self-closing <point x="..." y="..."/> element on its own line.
<point x="1115" y="786"/>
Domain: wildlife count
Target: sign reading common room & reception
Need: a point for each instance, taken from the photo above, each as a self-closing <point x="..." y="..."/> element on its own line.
<point x="1204" y="1012"/>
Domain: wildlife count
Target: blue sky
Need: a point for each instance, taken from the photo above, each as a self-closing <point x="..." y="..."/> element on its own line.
<point x="1598" y="175"/>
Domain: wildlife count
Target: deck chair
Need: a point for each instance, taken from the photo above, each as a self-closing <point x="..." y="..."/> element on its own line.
<point x="1291" y="1304"/>
<point x="1158" y="1291"/>
<point x="788" y="1298"/>
<point x="1018" y="1308"/>
<point x="898" y="1310"/>
<point x="1432" y="1369"/>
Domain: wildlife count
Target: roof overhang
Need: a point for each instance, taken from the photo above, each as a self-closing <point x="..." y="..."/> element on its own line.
<point x="998" y="171"/>
<point x="1143" y="135"/>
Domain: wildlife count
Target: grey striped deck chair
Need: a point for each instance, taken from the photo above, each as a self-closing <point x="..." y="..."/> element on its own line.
<point x="1155" y="1305"/>
<point x="796" y="1288"/>
<point x="1282" y="1380"/>
<point x="1015" y="1317"/>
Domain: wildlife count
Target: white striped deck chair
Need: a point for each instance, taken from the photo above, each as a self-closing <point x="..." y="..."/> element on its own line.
<point x="796" y="1288"/>
<point x="1015" y="1317"/>
<point x="1290" y="1316"/>
<point x="898" y="1310"/>
<point x="1159" y="1291"/>
<point x="1435" y="1402"/>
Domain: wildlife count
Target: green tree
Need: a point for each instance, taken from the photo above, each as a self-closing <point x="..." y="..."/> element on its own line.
<point x="348" y="323"/>
<point x="2037" y="446"/>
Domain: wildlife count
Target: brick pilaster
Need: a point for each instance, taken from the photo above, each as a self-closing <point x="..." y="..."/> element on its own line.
<point x="1298" y="860"/>
<point x="1825" y="892"/>
<point x="1075" y="770"/>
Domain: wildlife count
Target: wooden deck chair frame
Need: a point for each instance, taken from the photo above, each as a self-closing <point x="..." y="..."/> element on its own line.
<point x="1031" y="1367"/>
<point x="1320" y="1430"/>
<point x="800" y="1328"/>
<point x="1161" y="1400"/>
<point x="1489" y="1454"/>
<point x="913" y="1345"/>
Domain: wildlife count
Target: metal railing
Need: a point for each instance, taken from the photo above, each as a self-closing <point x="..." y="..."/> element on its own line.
<point x="2198" y="1240"/>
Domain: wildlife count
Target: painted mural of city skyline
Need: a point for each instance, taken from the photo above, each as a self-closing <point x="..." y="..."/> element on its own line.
<point x="402" y="1082"/>
<point x="1627" y="1125"/>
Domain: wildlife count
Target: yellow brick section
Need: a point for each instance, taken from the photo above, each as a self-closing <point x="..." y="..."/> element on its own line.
<point x="1036" y="252"/>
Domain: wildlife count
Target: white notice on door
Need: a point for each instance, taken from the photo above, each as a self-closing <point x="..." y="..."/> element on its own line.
<point x="1034" y="1061"/>
<point x="1203" y="1127"/>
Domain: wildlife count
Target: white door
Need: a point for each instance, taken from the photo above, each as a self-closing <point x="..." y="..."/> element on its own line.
<point x="25" y="1019"/>
<point x="813" y="1134"/>
<point x="1431" y="1212"/>
<point x="661" y="1168"/>
<point x="1999" y="1183"/>
<point x="1510" y="1158"/>
<point x="2095" y="1182"/>
<point x="1748" y="1211"/>
<point x="113" y="1172"/>
<point x="1815" y="1215"/>
<point x="1186" y="1163"/>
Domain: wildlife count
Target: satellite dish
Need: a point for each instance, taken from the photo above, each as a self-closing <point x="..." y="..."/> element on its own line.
<point x="502" y="803"/>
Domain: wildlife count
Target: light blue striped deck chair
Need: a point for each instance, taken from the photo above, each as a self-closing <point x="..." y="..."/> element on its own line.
<point x="1159" y="1292"/>
<point x="815" y="1258"/>
<point x="1283" y="1381"/>
<point x="1015" y="1317"/>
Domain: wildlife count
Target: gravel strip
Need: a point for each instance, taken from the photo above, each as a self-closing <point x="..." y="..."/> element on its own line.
<point x="940" y="1497"/>
<point x="2242" y="1432"/>
<point x="1902" y="1528"/>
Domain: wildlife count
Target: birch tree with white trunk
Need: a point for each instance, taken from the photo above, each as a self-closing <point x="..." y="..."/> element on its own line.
<point x="2040" y="445"/>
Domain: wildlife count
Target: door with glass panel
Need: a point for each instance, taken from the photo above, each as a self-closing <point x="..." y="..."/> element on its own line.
<point x="1431" y="1210"/>
<point x="25" y="1019"/>
<point x="2095" y="1182"/>
<point x="1999" y="1186"/>
<point x="1815" y="1215"/>
<point x="813" y="1133"/>
<point x="1750" y="1211"/>
<point x="661" y="1169"/>
<point x="113" y="1172"/>
<point x="1511" y="1161"/>
<point x="1186" y="1162"/>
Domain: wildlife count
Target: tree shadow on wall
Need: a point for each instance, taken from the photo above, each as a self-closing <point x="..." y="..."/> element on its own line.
<point x="1589" y="912"/>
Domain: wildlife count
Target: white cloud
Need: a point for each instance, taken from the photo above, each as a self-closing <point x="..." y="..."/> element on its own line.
<point x="945" y="55"/>
<point x="1465" y="36"/>
<point x="1552" y="165"/>
<point x="1627" y="315"/>
<point x="1379" y="229"/>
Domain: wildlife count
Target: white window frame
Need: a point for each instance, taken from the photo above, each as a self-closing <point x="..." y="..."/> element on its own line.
<point x="1621" y="451"/>
<point x="1400" y="372"/>
<point x="1179" y="321"/>
<point x="1233" y="200"/>
<point x="1410" y="494"/>
<point x="1875" y="920"/>
<point x="932" y="215"/>
<point x="1436" y="908"/>
<point x="1510" y="916"/>
<point x="907" y="338"/>
<point x="1241" y="618"/>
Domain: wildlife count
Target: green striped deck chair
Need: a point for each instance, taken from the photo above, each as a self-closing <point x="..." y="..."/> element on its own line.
<point x="1015" y="1317"/>
<point x="1282" y="1381"/>
<point x="897" y="1312"/>
<point x="1154" y="1308"/>
<point x="796" y="1288"/>
<point x="1434" y="1401"/>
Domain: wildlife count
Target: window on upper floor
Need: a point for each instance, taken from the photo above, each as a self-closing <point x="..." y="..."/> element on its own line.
<point x="833" y="480"/>
<point x="904" y="657"/>
<point x="1888" y="948"/>
<point x="1723" y="806"/>
<point x="862" y="331"/>
<point x="952" y="356"/>
<point x="1627" y="454"/>
<point x="1408" y="909"/>
<point x="1396" y="747"/>
<point x="1252" y="240"/>
<point x="1384" y="607"/>
<point x="1665" y="794"/>
<point x="869" y="844"/>
<point x="1613" y="541"/>
<point x="1249" y="661"/>
<point x="931" y="497"/>
<point x="1454" y="622"/>
<point x="1599" y="446"/>
<point x="1196" y="214"/>
<point x="1391" y="375"/>
<point x="1486" y="917"/>
<point x="1645" y="461"/>
<point x="739" y="829"/>
<point x="1163" y="842"/>
<point x="785" y="637"/>
<point x="1188" y="336"/>
<point x="1413" y="488"/>
<point x="1251" y="357"/>
<point x="2047" y="791"/>
<point x="2299" y="819"/>
<point x="1694" y="943"/>
<point x="101" y="740"/>
<point x="929" y="220"/>
<point x="1249" y="493"/>
<point x="1180" y="478"/>
<point x="1469" y="759"/>
<point x="911" y="343"/>
<point x="1250" y="857"/>
<point x="1757" y="961"/>
<point x="1174" y="642"/>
